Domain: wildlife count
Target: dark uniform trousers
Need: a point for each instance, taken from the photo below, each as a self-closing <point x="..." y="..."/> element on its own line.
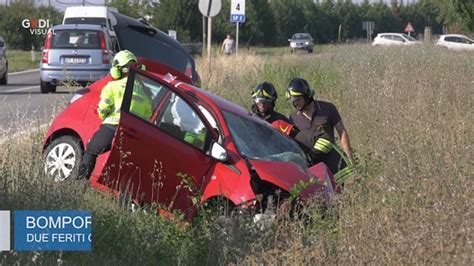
<point x="101" y="142"/>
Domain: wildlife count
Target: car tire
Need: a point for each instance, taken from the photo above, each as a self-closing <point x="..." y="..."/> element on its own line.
<point x="310" y="51"/>
<point x="62" y="158"/>
<point x="4" y="79"/>
<point x="47" y="87"/>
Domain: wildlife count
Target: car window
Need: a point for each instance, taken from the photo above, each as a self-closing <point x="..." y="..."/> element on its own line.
<point x="397" y="38"/>
<point x="180" y="121"/>
<point x="145" y="43"/>
<point x="261" y="142"/>
<point x="146" y="96"/>
<point x="408" y="37"/>
<point x="465" y="40"/>
<point x="76" y="39"/>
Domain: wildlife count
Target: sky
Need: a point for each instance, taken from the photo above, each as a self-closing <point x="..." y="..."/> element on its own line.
<point x="62" y="4"/>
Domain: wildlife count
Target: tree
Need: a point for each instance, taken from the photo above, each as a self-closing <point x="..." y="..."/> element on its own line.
<point x="180" y="15"/>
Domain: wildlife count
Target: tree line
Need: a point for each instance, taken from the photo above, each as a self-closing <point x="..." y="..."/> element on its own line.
<point x="268" y="22"/>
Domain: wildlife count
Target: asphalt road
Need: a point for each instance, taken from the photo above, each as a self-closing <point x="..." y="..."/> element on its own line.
<point x="24" y="107"/>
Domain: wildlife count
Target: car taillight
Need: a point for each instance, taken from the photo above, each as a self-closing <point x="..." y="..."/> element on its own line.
<point x="103" y="46"/>
<point x="44" y="56"/>
<point x="47" y="45"/>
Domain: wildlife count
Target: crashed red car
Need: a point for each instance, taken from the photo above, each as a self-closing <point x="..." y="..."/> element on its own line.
<point x="195" y="147"/>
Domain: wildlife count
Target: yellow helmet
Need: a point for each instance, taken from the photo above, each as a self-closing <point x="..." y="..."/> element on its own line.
<point x="122" y="58"/>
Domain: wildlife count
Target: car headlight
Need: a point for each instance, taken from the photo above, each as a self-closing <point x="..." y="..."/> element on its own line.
<point x="307" y="43"/>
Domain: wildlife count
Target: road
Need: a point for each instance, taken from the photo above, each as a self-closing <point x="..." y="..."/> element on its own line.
<point x="23" y="106"/>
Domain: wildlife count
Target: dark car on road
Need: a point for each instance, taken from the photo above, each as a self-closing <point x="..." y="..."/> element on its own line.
<point x="301" y="41"/>
<point x="81" y="53"/>
<point x="3" y="62"/>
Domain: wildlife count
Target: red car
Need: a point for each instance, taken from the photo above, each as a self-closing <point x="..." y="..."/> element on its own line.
<point x="195" y="147"/>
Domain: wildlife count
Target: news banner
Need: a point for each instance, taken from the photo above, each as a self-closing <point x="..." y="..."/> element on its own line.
<point x="45" y="230"/>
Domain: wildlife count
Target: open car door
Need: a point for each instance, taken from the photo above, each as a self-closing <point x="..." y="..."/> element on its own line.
<point x="158" y="154"/>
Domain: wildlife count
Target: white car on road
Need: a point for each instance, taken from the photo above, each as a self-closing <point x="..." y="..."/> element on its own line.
<point x="456" y="42"/>
<point x="385" y="39"/>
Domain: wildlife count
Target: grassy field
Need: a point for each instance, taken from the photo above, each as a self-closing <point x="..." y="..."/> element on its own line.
<point x="21" y="60"/>
<point x="409" y="116"/>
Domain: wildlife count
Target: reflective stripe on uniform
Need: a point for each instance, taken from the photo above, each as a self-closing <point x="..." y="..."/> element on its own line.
<point x="106" y="101"/>
<point x="344" y="173"/>
<point x="323" y="145"/>
<point x="111" y="120"/>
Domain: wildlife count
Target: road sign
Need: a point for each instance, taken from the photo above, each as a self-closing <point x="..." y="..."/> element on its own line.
<point x="210" y="8"/>
<point x="237" y="11"/>
<point x="409" y="28"/>
<point x="237" y="18"/>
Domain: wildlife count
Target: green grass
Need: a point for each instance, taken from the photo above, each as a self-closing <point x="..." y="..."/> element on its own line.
<point x="409" y="116"/>
<point x="21" y="60"/>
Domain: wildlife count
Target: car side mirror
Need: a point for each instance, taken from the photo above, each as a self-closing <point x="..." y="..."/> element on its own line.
<point x="218" y="152"/>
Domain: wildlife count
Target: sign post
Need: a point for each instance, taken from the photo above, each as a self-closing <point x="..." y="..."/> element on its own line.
<point x="209" y="9"/>
<point x="369" y="27"/>
<point x="237" y="15"/>
<point x="409" y="28"/>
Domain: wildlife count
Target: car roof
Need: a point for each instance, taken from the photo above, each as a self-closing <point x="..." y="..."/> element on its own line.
<point x="87" y="11"/>
<point x="78" y="26"/>
<point x="453" y="35"/>
<point x="219" y="102"/>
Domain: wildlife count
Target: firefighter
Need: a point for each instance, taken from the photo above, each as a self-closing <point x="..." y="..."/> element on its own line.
<point x="264" y="97"/>
<point x="109" y="110"/>
<point x="316" y="121"/>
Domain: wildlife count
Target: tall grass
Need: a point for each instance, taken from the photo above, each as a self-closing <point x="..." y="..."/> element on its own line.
<point x="21" y="60"/>
<point x="408" y="112"/>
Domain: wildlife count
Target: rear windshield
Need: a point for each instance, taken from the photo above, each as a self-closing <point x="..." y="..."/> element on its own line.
<point x="147" y="44"/>
<point x="76" y="39"/>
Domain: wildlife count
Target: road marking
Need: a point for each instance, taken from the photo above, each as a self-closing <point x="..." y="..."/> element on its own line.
<point x="24" y="88"/>
<point x="23" y="72"/>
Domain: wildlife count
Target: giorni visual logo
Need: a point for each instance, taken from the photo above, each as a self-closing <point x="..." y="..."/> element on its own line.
<point x="36" y="26"/>
<point x="52" y="230"/>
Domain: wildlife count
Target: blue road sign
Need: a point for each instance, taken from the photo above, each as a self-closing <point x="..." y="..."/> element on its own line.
<point x="237" y="18"/>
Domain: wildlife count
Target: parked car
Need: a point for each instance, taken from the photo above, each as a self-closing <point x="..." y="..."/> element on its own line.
<point x="80" y="52"/>
<point x="456" y="42"/>
<point x="3" y="62"/>
<point x="136" y="36"/>
<point x="386" y="39"/>
<point x="194" y="148"/>
<point x="301" y="41"/>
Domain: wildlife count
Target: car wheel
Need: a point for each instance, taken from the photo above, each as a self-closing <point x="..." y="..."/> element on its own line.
<point x="47" y="87"/>
<point x="310" y="51"/>
<point x="62" y="158"/>
<point x="4" y="79"/>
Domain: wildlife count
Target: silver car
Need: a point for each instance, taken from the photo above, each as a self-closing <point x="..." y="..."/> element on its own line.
<point x="77" y="52"/>
<point x="301" y="41"/>
<point x="3" y="63"/>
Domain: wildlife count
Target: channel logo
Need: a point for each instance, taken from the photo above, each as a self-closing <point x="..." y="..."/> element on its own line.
<point x="47" y="230"/>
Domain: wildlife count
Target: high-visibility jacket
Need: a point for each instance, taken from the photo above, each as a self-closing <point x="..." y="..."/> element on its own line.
<point x="111" y="99"/>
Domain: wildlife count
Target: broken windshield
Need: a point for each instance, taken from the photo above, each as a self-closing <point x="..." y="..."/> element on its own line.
<point x="257" y="141"/>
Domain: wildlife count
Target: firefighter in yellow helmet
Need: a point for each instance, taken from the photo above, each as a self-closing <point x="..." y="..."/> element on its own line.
<point x="109" y="110"/>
